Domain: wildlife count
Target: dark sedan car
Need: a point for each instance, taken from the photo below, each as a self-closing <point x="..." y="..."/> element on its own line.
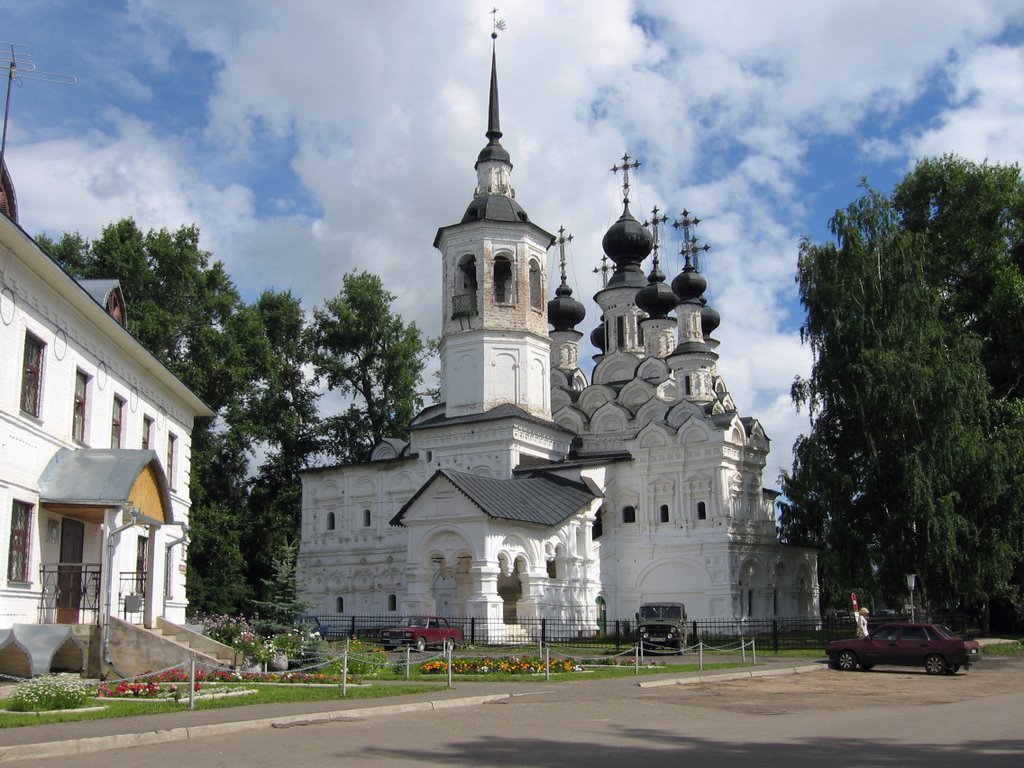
<point x="932" y="646"/>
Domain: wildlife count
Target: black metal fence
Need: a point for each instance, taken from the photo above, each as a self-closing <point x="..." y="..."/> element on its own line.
<point x="777" y="634"/>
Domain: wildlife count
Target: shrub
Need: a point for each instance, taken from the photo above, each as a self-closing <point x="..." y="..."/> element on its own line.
<point x="49" y="692"/>
<point x="225" y="629"/>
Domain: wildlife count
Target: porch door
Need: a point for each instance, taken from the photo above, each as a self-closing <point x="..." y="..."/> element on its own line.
<point x="69" y="572"/>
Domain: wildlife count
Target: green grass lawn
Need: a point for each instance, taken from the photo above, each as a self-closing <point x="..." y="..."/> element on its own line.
<point x="387" y="681"/>
<point x="265" y="694"/>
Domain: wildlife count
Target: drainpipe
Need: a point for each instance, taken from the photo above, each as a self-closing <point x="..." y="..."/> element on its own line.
<point x="134" y="513"/>
<point x="167" y="563"/>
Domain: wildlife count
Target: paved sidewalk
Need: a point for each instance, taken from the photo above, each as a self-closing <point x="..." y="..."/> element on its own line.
<point x="98" y="735"/>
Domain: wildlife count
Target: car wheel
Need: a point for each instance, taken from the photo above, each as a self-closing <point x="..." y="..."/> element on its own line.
<point x="934" y="664"/>
<point x="952" y="669"/>
<point x="846" y="661"/>
<point x="421" y="644"/>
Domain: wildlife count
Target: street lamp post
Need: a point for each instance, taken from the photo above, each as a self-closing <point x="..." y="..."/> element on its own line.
<point x="911" y="581"/>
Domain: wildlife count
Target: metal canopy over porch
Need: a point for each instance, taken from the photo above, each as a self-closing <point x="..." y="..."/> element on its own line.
<point x="99" y="493"/>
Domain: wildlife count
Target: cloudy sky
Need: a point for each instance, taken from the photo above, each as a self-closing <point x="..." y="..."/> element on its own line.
<point x="315" y="137"/>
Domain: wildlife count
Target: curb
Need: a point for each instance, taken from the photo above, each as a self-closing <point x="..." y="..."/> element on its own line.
<point x="119" y="741"/>
<point x="701" y="679"/>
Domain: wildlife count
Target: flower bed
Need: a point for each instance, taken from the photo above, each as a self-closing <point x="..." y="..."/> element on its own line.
<point x="514" y="665"/>
<point x="143" y="689"/>
<point x="53" y="692"/>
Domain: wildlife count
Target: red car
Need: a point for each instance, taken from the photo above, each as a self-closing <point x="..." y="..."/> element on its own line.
<point x="932" y="646"/>
<point x="419" y="632"/>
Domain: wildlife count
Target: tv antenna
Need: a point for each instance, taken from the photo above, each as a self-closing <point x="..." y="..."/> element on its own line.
<point x="20" y="67"/>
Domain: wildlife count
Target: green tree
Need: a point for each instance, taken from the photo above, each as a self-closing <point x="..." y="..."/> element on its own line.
<point x="282" y="420"/>
<point x="367" y="354"/>
<point x="911" y="464"/>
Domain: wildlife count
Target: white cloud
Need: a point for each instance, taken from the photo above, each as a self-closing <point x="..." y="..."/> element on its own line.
<point x="339" y="138"/>
<point x="983" y="121"/>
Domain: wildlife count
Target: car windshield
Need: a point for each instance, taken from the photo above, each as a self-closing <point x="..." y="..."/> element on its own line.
<point x="943" y="631"/>
<point x="660" y="612"/>
<point x="415" y="621"/>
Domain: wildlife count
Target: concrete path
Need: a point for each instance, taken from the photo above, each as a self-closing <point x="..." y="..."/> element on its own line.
<point x="98" y="735"/>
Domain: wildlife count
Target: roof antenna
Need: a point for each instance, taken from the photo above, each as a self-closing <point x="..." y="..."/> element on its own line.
<point x="21" y="67"/>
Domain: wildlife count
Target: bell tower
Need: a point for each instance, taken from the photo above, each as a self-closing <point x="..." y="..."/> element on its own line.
<point x="495" y="348"/>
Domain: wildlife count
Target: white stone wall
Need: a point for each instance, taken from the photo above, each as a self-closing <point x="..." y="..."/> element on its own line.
<point x="116" y="366"/>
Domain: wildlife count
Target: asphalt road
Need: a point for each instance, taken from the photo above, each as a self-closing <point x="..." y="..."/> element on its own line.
<point x="884" y="718"/>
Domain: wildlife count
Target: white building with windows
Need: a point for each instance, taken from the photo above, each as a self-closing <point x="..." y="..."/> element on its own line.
<point x="532" y="490"/>
<point x="95" y="439"/>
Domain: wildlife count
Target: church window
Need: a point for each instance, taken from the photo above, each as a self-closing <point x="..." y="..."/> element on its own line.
<point x="702" y="511"/>
<point x="535" y="292"/>
<point x="640" y="335"/>
<point x="392" y="602"/>
<point x="598" y="529"/>
<point x="552" y="569"/>
<point x="78" y="408"/>
<point x="32" y="375"/>
<point x="502" y="280"/>
<point x="147" y="433"/>
<point x="689" y="388"/>
<point x="339" y="605"/>
<point x="664" y="513"/>
<point x="629" y="514"/>
<point x="330" y="521"/>
<point x="620" y="332"/>
<point x="366" y="518"/>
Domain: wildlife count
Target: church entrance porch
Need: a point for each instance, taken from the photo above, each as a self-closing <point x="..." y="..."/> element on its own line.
<point x="510" y="590"/>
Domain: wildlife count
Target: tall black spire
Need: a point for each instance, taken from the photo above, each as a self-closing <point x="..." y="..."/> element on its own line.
<point x="494" y="198"/>
<point x="493" y="150"/>
<point x="493" y="121"/>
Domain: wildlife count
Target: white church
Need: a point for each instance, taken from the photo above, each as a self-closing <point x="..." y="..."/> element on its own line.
<point x="534" y="491"/>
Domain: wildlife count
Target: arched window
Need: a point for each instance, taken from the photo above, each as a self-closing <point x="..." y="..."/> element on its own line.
<point x="552" y="569"/>
<point x="629" y="514"/>
<point x="330" y="521"/>
<point x="366" y="518"/>
<point x="535" y="292"/>
<point x="689" y="389"/>
<point x="502" y="280"/>
<point x="339" y="605"/>
<point x="464" y="300"/>
<point x="598" y="528"/>
<point x="702" y="511"/>
<point x="620" y="332"/>
<point x="664" y="513"/>
<point x="392" y="603"/>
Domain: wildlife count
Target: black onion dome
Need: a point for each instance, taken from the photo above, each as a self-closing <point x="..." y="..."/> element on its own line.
<point x="709" y="318"/>
<point x="597" y="337"/>
<point x="627" y="243"/>
<point x="656" y="298"/>
<point x="689" y="284"/>
<point x="564" y="312"/>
